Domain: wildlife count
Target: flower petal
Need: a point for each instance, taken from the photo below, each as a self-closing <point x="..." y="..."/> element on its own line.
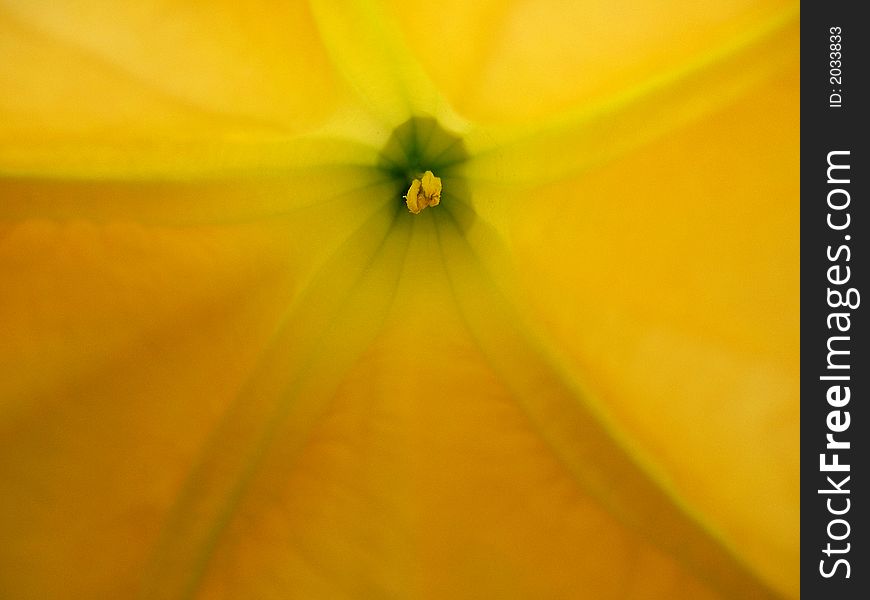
<point x="500" y="61"/>
<point x="669" y="280"/>
<point x="591" y="134"/>
<point x="322" y="333"/>
<point x="367" y="46"/>
<point x="418" y="468"/>
<point x="124" y="348"/>
<point x="232" y="196"/>
<point x="121" y="348"/>
<point x="103" y="86"/>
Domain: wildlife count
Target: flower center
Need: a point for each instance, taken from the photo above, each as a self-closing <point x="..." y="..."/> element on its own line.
<point x="416" y="150"/>
<point x="423" y="193"/>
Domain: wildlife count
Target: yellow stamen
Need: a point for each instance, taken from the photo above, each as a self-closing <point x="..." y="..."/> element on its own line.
<point x="423" y="193"/>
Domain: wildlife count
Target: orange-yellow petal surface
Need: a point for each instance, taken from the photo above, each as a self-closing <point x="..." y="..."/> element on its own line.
<point x="124" y="347"/>
<point x="507" y="61"/>
<point x="412" y="465"/>
<point x="669" y="278"/>
<point x="100" y="85"/>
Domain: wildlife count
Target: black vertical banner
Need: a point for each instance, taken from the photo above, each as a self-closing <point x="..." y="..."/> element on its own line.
<point x="834" y="334"/>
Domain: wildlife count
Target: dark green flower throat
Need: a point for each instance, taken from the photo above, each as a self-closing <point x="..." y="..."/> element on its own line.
<point x="425" y="161"/>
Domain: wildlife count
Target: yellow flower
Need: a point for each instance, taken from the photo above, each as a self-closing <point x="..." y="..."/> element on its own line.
<point x="235" y="364"/>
